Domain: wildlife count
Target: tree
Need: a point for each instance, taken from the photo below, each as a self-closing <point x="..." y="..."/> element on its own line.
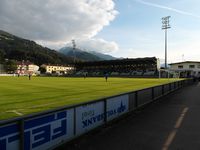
<point x="2" y="54"/>
<point x="10" y="66"/>
<point x="42" y="69"/>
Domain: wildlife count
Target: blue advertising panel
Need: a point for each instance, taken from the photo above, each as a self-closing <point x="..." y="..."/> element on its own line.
<point x="117" y="106"/>
<point x="9" y="137"/>
<point x="89" y="116"/>
<point x="40" y="133"/>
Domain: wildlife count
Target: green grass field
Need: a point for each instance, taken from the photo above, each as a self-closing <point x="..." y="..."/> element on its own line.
<point x="20" y="96"/>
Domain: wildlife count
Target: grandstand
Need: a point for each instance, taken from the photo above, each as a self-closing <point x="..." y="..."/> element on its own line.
<point x="139" y="67"/>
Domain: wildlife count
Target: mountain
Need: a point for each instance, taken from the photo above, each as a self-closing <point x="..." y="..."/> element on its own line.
<point x="103" y="56"/>
<point x="16" y="48"/>
<point x="85" y="55"/>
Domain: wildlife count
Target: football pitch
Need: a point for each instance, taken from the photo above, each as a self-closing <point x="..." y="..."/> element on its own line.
<point x="20" y="96"/>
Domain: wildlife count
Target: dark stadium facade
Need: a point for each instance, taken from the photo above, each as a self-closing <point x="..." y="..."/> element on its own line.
<point x="120" y="67"/>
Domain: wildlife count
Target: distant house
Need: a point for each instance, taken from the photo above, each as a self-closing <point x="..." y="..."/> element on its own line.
<point x="57" y="69"/>
<point x="186" y="68"/>
<point x="25" y="68"/>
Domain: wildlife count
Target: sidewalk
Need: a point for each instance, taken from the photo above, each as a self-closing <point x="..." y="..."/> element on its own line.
<point x="173" y="123"/>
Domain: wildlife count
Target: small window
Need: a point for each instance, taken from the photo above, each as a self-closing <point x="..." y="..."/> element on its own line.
<point x="180" y="67"/>
<point x="191" y="66"/>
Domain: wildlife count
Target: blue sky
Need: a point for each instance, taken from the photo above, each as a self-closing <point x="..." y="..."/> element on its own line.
<point x="137" y="29"/>
<point x="122" y="28"/>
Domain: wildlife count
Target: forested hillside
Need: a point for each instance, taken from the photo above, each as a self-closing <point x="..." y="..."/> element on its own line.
<point x="13" y="47"/>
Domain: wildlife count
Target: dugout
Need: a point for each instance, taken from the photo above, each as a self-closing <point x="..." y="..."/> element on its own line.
<point x="120" y="67"/>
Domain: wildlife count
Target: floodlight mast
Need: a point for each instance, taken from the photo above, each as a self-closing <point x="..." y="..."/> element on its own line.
<point x="74" y="48"/>
<point x="165" y="26"/>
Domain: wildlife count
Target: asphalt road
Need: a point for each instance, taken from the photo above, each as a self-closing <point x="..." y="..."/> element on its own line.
<point x="170" y="124"/>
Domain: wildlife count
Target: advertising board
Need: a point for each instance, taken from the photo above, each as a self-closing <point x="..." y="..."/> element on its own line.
<point x="89" y="116"/>
<point x="40" y="133"/>
<point x="9" y="137"/>
<point x="117" y="106"/>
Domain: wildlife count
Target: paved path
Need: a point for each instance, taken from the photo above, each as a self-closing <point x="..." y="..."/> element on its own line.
<point x="173" y="123"/>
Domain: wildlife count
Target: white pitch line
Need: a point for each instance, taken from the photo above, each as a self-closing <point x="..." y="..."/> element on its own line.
<point x="20" y="114"/>
<point x="16" y="112"/>
<point x="32" y="107"/>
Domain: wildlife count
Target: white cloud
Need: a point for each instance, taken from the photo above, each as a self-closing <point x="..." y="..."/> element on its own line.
<point x="56" y="22"/>
<point x="99" y="45"/>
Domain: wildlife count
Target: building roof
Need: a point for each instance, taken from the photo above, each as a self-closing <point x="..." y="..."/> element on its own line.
<point x="146" y="60"/>
<point x="56" y="65"/>
<point x="26" y="63"/>
<point x="184" y="62"/>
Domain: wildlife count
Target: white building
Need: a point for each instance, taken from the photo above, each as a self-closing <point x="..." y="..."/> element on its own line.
<point x="25" y="68"/>
<point x="57" y="69"/>
<point x="186" y="68"/>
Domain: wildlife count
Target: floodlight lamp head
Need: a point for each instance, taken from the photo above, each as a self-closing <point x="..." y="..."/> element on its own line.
<point x="165" y="22"/>
<point x="167" y="17"/>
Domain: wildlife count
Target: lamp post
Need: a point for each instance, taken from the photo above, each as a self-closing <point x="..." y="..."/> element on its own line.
<point x="165" y="26"/>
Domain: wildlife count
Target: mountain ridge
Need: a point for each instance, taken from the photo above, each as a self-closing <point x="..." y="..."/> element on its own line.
<point x="19" y="49"/>
<point x="16" y="48"/>
<point x="85" y="55"/>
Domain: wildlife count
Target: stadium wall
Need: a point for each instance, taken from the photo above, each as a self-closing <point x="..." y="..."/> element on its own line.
<point x="50" y="129"/>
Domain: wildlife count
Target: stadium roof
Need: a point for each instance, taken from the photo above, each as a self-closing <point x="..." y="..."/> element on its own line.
<point x="147" y="60"/>
<point x="183" y="62"/>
